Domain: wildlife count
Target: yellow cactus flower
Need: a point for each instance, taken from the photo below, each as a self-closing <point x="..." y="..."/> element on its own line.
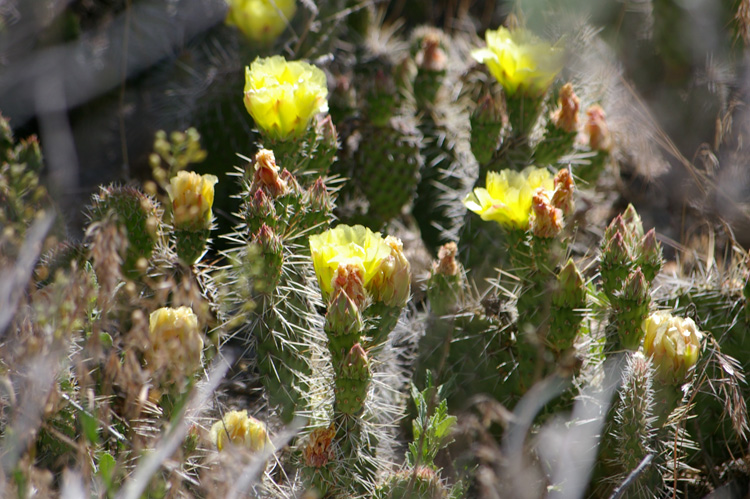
<point x="673" y="343"/>
<point x="508" y="196"/>
<point x="520" y="61"/>
<point x="176" y="341"/>
<point x="353" y="247"/>
<point x="260" y="20"/>
<point x="240" y="429"/>
<point x="282" y="97"/>
<point x="192" y="198"/>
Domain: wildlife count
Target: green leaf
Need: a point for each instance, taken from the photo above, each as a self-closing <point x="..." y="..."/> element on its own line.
<point x="90" y="426"/>
<point x="106" y="471"/>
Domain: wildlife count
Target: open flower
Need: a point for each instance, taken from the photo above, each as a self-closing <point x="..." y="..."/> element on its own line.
<point x="192" y="198"/>
<point x="240" y="429"/>
<point x="176" y="341"/>
<point x="520" y="61"/>
<point x="260" y="20"/>
<point x="283" y="96"/>
<point x="348" y="247"/>
<point x="673" y="343"/>
<point x="508" y="196"/>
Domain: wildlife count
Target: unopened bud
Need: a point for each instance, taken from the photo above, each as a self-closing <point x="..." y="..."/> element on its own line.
<point x="240" y="429"/>
<point x="546" y="220"/>
<point x="633" y="222"/>
<point x="673" y="343"/>
<point x="565" y="117"/>
<point x="431" y="57"/>
<point x="349" y="278"/>
<point x="267" y="174"/>
<point x="571" y="289"/>
<point x="392" y="281"/>
<point x="192" y="198"/>
<point x="320" y="198"/>
<point x="261" y="206"/>
<point x="291" y="181"/>
<point x="596" y="128"/>
<point x="343" y="317"/>
<point x="636" y="287"/>
<point x="562" y="197"/>
<point x="446" y="263"/>
<point x="356" y="364"/>
<point x="650" y="258"/>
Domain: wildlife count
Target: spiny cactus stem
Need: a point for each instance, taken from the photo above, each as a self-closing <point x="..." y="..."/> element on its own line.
<point x="190" y="244"/>
<point x="523" y="113"/>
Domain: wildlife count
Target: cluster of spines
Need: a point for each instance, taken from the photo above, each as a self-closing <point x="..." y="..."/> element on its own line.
<point x="270" y="257"/>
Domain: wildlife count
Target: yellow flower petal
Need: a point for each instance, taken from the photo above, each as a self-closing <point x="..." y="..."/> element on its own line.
<point x="282" y="97"/>
<point x="519" y="61"/>
<point x="261" y="20"/>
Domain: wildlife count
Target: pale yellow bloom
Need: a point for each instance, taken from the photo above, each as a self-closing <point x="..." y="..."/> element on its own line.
<point x="356" y="247"/>
<point x="520" y="61"/>
<point x="282" y="97"/>
<point x="176" y="341"/>
<point x="192" y="198"/>
<point x="508" y="196"/>
<point x="673" y="343"/>
<point x="261" y="20"/>
<point x="240" y="429"/>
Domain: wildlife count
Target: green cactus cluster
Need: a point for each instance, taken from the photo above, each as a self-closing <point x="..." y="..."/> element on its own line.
<point x="177" y="349"/>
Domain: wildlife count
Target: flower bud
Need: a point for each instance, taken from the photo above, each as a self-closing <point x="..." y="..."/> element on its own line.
<point x="571" y="289"/>
<point x="546" y="220"/>
<point x="636" y="287"/>
<point x="343" y="317"/>
<point x="447" y="264"/>
<point x="562" y="197"/>
<point x="241" y="430"/>
<point x="392" y="281"/>
<point x="565" y="117"/>
<point x="320" y="198"/>
<point x="266" y="175"/>
<point x="431" y="56"/>
<point x="633" y="222"/>
<point x="349" y="278"/>
<point x="261" y="20"/>
<point x="319" y="448"/>
<point x="261" y="206"/>
<point x="650" y="258"/>
<point x="176" y="341"/>
<point x="192" y="198"/>
<point x="673" y="343"/>
<point x="597" y="130"/>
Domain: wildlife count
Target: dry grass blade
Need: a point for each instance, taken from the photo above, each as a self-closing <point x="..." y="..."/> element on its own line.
<point x="176" y="434"/>
<point x="14" y="279"/>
